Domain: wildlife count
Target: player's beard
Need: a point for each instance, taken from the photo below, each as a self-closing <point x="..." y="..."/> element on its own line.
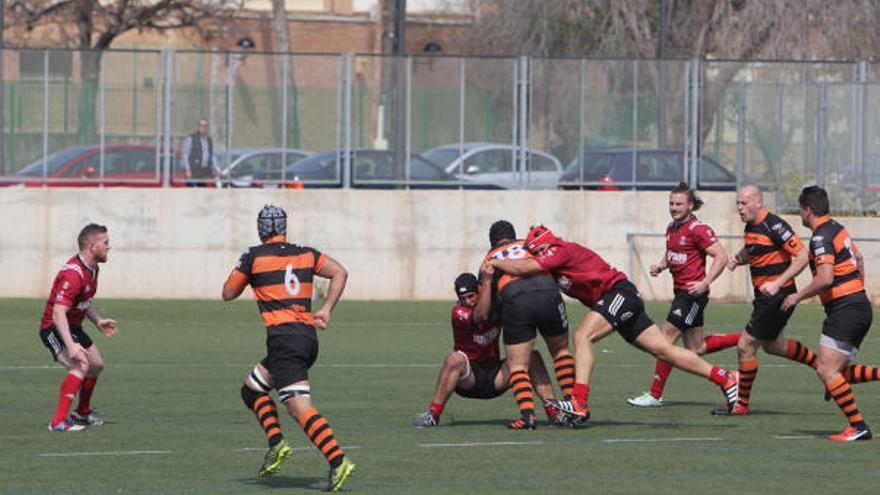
<point x="101" y="258"/>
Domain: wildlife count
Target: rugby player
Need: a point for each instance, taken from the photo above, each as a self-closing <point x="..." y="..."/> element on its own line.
<point x="838" y="279"/>
<point x="281" y="276"/>
<point x="688" y="241"/>
<point x="775" y="255"/>
<point x="69" y="303"/>
<point x="474" y="369"/>
<point x="527" y="303"/>
<point x="616" y="305"/>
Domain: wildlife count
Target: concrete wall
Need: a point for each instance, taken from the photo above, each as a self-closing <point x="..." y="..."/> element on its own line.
<point x="396" y="244"/>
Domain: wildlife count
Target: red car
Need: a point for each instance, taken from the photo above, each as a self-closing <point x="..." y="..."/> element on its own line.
<point x="131" y="165"/>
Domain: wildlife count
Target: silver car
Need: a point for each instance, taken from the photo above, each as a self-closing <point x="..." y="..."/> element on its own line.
<point x="255" y="167"/>
<point x="496" y="163"/>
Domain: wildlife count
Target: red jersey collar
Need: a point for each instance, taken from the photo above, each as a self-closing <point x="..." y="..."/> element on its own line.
<point x="87" y="267"/>
<point x="689" y="219"/>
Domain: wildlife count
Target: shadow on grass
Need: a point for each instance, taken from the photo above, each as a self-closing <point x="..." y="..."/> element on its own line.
<point x="317" y="483"/>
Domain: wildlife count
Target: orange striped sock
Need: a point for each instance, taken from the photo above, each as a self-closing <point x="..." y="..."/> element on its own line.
<point x="841" y="391"/>
<point x="267" y="414"/>
<point x="858" y="373"/>
<point x="748" y="370"/>
<point x="800" y="353"/>
<point x="521" y="385"/>
<point x="563" y="365"/>
<point x="321" y="435"/>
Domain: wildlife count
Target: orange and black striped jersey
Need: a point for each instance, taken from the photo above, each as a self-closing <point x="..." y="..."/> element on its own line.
<point x="831" y="244"/>
<point x="770" y="244"/>
<point x="280" y="275"/>
<point x="506" y="285"/>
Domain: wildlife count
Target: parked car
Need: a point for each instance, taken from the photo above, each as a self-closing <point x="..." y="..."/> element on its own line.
<point x="374" y="169"/>
<point x="496" y="164"/>
<point x="241" y="165"/>
<point x="656" y="169"/>
<point x="131" y="165"/>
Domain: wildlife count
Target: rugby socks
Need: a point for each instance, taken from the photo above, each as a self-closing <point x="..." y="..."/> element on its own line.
<point x="68" y="390"/>
<point x="858" y="373"/>
<point x="748" y="370"/>
<point x="321" y="435"/>
<point x="718" y="376"/>
<point x="85" y="395"/>
<point x="435" y="409"/>
<point x="267" y="414"/>
<point x="521" y="385"/>
<point x="661" y="374"/>
<point x="563" y="365"/>
<point x="581" y="393"/>
<point x="800" y="353"/>
<point x="841" y="391"/>
<point x="718" y="342"/>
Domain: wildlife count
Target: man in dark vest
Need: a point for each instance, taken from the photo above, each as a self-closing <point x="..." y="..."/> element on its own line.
<point x="198" y="160"/>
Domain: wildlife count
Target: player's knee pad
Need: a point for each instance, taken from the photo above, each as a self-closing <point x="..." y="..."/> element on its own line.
<point x="250" y="396"/>
<point x="257" y="381"/>
<point x="287" y="393"/>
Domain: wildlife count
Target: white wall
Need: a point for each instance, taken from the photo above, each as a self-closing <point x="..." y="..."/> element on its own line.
<point x="182" y="243"/>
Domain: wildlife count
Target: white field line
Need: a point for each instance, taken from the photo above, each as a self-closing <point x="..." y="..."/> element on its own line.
<point x="296" y="449"/>
<point x="661" y="440"/>
<point x="339" y="365"/>
<point x="795" y="437"/>
<point x="110" y="453"/>
<point x="476" y="444"/>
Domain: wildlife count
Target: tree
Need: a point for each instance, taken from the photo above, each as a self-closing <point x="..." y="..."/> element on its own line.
<point x="719" y="29"/>
<point x="93" y="25"/>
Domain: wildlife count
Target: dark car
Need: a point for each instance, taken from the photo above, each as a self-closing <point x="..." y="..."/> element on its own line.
<point x="374" y="169"/>
<point x="130" y="165"/>
<point x="656" y="169"/>
<point x="245" y="163"/>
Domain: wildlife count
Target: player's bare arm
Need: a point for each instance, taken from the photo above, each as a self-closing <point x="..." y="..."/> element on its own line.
<point x="338" y="275"/>
<point x="798" y="263"/>
<point x="484" y="293"/>
<point x="518" y="268"/>
<point x="107" y="326"/>
<point x="234" y="285"/>
<point x="822" y="280"/>
<point x="740" y="258"/>
<point x="719" y="261"/>
<point x="659" y="267"/>
<point x="59" y="318"/>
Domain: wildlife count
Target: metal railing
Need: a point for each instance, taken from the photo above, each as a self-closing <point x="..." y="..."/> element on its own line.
<point x="478" y="121"/>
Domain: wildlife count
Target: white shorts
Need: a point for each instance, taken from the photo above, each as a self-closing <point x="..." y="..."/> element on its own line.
<point x="840" y="346"/>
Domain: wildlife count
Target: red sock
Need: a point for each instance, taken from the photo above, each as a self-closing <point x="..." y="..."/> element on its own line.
<point x="435" y="409"/>
<point x="550" y="411"/>
<point x="721" y="341"/>
<point x="661" y="373"/>
<point x="85" y="395"/>
<point x="69" y="387"/>
<point x="581" y="392"/>
<point x="718" y="376"/>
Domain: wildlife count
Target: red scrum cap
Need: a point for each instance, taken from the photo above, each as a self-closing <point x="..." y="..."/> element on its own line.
<point x="540" y="235"/>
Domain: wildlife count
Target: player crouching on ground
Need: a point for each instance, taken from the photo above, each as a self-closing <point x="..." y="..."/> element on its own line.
<point x="281" y="275"/>
<point x="474" y="369"/>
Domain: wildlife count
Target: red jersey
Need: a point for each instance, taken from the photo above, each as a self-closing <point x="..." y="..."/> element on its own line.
<point x="580" y="272"/>
<point x="74" y="287"/>
<point x="478" y="340"/>
<point x="686" y="246"/>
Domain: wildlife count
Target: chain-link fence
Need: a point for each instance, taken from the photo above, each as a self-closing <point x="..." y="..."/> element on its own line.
<point x="340" y="120"/>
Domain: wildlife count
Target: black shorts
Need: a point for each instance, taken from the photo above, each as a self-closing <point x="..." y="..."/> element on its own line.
<point x="768" y="319"/>
<point x="623" y="308"/>
<point x="686" y="311"/>
<point x="848" y="318"/>
<point x="52" y="339"/>
<point x="484" y="374"/>
<point x="523" y="313"/>
<point x="289" y="356"/>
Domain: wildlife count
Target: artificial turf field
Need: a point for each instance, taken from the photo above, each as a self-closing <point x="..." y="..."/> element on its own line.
<point x="176" y="423"/>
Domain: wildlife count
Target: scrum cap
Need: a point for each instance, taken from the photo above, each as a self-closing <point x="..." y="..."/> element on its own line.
<point x="464" y="283"/>
<point x="271" y="221"/>
<point x="540" y="235"/>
